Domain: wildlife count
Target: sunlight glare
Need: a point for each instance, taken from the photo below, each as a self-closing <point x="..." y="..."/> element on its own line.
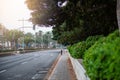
<point x="11" y="11"/>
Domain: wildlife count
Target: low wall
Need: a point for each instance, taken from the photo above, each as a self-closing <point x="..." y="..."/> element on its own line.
<point x="78" y="68"/>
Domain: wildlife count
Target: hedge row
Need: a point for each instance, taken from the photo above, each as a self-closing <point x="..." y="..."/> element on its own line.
<point x="77" y="50"/>
<point x="102" y="60"/>
<point x="101" y="56"/>
<point x="6" y="50"/>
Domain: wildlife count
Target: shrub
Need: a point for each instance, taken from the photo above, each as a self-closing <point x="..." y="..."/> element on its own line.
<point x="91" y="40"/>
<point x="30" y="49"/>
<point x="102" y="60"/>
<point x="71" y="50"/>
<point x="77" y="50"/>
<point x="6" y="50"/>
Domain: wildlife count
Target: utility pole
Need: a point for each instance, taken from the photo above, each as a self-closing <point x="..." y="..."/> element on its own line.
<point x="23" y="20"/>
<point x="34" y="28"/>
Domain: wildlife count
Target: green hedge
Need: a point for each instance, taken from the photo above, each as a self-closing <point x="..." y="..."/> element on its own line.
<point x="6" y="50"/>
<point x="77" y="50"/>
<point x="102" y="60"/>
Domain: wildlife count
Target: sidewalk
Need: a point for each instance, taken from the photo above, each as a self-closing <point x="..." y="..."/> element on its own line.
<point x="63" y="69"/>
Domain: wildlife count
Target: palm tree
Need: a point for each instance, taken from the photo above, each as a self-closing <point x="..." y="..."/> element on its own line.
<point x="17" y="35"/>
<point x="13" y="36"/>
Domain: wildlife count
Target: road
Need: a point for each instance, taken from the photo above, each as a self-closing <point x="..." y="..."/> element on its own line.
<point x="29" y="66"/>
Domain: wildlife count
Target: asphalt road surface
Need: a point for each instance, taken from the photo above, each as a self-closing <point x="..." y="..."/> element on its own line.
<point x="29" y="66"/>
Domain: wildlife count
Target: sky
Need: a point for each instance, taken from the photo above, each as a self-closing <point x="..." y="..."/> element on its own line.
<point x="11" y="11"/>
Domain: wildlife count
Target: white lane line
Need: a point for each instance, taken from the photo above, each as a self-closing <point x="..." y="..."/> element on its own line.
<point x="3" y="71"/>
<point x="24" y="62"/>
<point x="51" y="54"/>
<point x="35" y="76"/>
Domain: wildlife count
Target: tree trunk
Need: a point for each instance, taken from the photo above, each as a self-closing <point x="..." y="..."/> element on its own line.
<point x="118" y="13"/>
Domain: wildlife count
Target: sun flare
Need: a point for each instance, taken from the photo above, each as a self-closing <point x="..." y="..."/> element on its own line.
<point x="12" y="10"/>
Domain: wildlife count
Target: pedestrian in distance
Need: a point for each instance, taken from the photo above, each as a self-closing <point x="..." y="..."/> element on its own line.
<point x="61" y="51"/>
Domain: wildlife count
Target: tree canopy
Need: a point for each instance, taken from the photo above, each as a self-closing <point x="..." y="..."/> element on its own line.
<point x="77" y="20"/>
<point x="28" y="39"/>
<point x="44" y="12"/>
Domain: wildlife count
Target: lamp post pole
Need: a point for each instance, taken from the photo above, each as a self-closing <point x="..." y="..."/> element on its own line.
<point x="23" y="20"/>
<point x="34" y="28"/>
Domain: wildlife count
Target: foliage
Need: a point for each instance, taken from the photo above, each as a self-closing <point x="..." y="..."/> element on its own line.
<point x="28" y="39"/>
<point x="89" y="17"/>
<point x="102" y="61"/>
<point x="39" y="37"/>
<point x="77" y="20"/>
<point x="6" y="50"/>
<point x="30" y="49"/>
<point x="47" y="38"/>
<point x="77" y="50"/>
<point x="91" y="40"/>
<point x="45" y="12"/>
<point x="13" y="36"/>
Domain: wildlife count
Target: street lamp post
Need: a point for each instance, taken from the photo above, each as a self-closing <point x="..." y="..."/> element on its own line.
<point x="23" y="31"/>
<point x="23" y="20"/>
<point x="34" y="28"/>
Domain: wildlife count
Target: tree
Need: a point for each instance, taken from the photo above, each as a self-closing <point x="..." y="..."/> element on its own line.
<point x="28" y="39"/>
<point x="39" y="38"/>
<point x="118" y="13"/>
<point x="45" y="12"/>
<point x="13" y="36"/>
<point x="89" y="17"/>
<point x="7" y="37"/>
<point x="47" y="37"/>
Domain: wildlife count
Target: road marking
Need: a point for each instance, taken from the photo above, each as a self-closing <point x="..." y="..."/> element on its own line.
<point x="35" y="76"/>
<point x="24" y="62"/>
<point x="3" y="71"/>
<point x="51" y="55"/>
<point x="42" y="72"/>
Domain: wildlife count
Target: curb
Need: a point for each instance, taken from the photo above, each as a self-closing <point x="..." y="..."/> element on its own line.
<point x="50" y="71"/>
<point x="3" y="54"/>
<point x="78" y="69"/>
<point x="71" y="70"/>
<point x="6" y="54"/>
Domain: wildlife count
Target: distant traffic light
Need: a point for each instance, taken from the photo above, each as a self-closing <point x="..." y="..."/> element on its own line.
<point x="34" y="27"/>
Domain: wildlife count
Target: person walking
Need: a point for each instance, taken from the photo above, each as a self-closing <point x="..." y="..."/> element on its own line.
<point x="61" y="51"/>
